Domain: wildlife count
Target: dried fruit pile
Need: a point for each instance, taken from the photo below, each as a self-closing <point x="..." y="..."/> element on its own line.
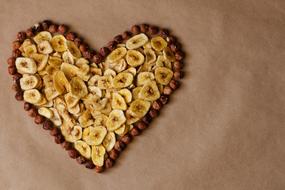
<point x="95" y="103"/>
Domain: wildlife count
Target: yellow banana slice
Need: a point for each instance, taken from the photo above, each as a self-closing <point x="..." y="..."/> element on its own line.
<point x="46" y="112"/>
<point x="41" y="60"/>
<point x="71" y="133"/>
<point x="32" y="96"/>
<point x="55" y="61"/>
<point x="149" y="91"/>
<point x="105" y="82"/>
<point x="73" y="49"/>
<point x="94" y="135"/>
<point x="55" y="118"/>
<point x="29" y="82"/>
<point x="109" y="141"/>
<point x="115" y="120"/>
<point x="144" y="77"/>
<point x="69" y="70"/>
<point x="26" y="65"/>
<point x="60" y="82"/>
<point x="98" y="154"/>
<point x="42" y="36"/>
<point x="168" y="54"/>
<point x="85" y="119"/>
<point x="45" y="48"/>
<point x="78" y="87"/>
<point x="158" y="43"/>
<point x="127" y="95"/>
<point x="83" y="148"/>
<point x="70" y="100"/>
<point x="136" y="41"/>
<point x="123" y="80"/>
<point x="118" y="102"/>
<point x="139" y="107"/>
<point x="162" y="62"/>
<point x="163" y="75"/>
<point x="58" y="43"/>
<point x="117" y="54"/>
<point x="29" y="50"/>
<point x="136" y="92"/>
<point x="131" y="118"/>
<point x="134" y="58"/>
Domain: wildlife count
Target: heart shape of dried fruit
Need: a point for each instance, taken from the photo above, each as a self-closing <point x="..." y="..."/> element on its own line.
<point x="94" y="103"/>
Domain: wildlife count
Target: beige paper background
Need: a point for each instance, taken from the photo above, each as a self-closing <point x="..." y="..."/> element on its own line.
<point x="223" y="130"/>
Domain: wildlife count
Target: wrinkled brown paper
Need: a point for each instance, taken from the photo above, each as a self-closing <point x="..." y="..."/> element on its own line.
<point x="224" y="128"/>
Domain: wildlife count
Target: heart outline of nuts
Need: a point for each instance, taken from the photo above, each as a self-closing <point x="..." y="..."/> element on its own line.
<point x="97" y="57"/>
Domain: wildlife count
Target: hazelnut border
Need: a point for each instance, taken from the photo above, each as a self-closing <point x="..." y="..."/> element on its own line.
<point x="97" y="57"/>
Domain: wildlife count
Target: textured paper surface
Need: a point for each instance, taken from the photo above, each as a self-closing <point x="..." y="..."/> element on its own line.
<point x="224" y="128"/>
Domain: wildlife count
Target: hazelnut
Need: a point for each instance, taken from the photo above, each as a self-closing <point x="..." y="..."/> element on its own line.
<point x="73" y="153"/>
<point x="39" y="119"/>
<point x="66" y="145"/>
<point x="126" y="139"/>
<point x="19" y="96"/>
<point x="177" y="65"/>
<point x="177" y="75"/>
<point x="153" y="30"/>
<point x="30" y="32"/>
<point x="52" y="28"/>
<point x="27" y="106"/>
<point x="47" y="125"/>
<point x="89" y="164"/>
<point x="104" y="51"/>
<point x="174" y="47"/>
<point x="153" y="113"/>
<point x="16" y="45"/>
<point x="126" y="35"/>
<point x="99" y="169"/>
<point x="37" y="28"/>
<point x="16" y="78"/>
<point x="21" y="36"/>
<point x="147" y="119"/>
<point x="135" y="29"/>
<point x="81" y="160"/>
<point x="134" y="131"/>
<point x="164" y="33"/>
<point x="167" y="90"/>
<point x="83" y="47"/>
<point x="141" y="125"/>
<point x="33" y="112"/>
<point x="97" y="58"/>
<point x="163" y="99"/>
<point x="16" y="87"/>
<point x="11" y="61"/>
<point x="157" y="105"/>
<point x="118" y="39"/>
<point x="55" y="131"/>
<point x="109" y="163"/>
<point x="58" y="139"/>
<point x="172" y="40"/>
<point x="144" y="28"/>
<point x="62" y="29"/>
<point x="114" y="154"/>
<point x="16" y="53"/>
<point x="87" y="54"/>
<point x="120" y="146"/>
<point x="179" y="55"/>
<point x="112" y="45"/>
<point x="77" y="41"/>
<point x="70" y="36"/>
<point x="174" y="84"/>
<point x="46" y="24"/>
